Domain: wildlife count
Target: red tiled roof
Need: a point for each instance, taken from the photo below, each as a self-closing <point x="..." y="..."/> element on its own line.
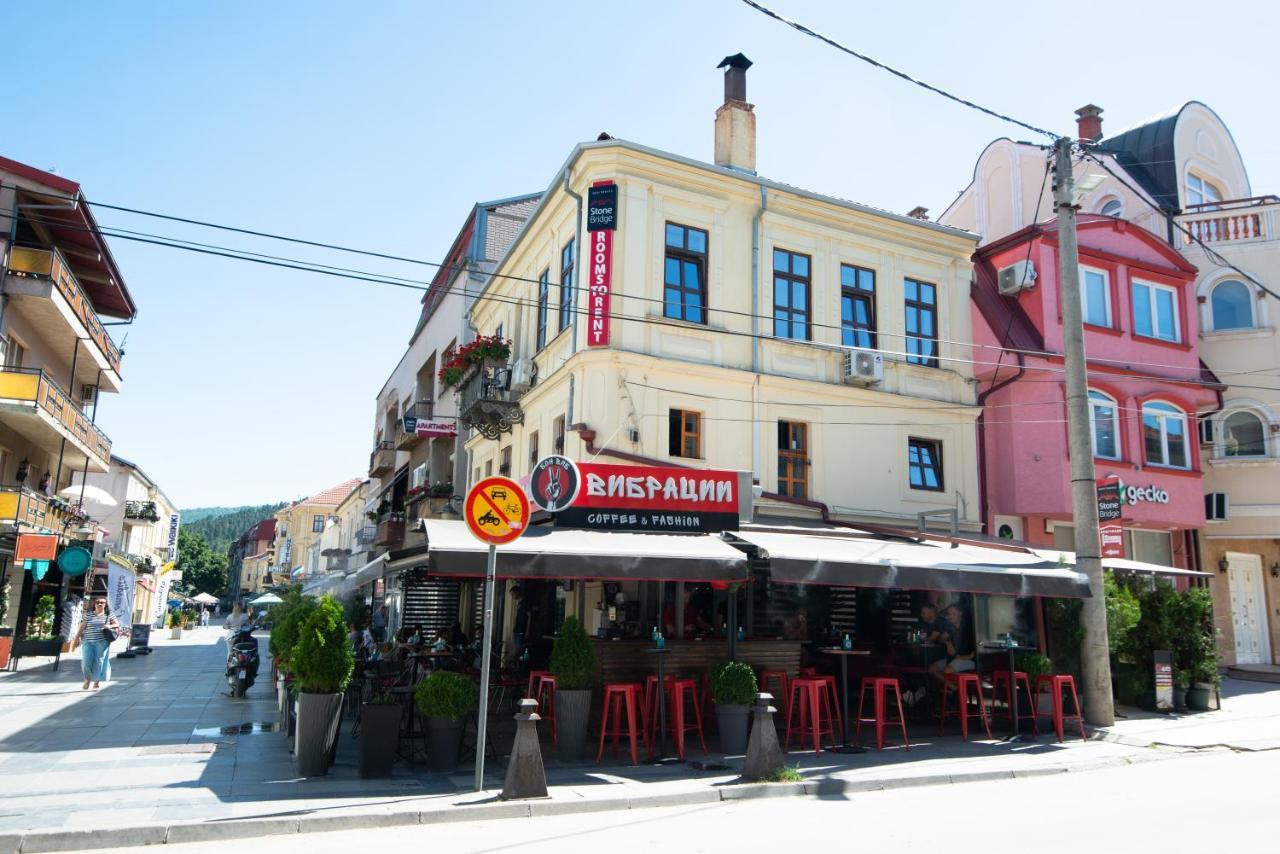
<point x="334" y="495"/>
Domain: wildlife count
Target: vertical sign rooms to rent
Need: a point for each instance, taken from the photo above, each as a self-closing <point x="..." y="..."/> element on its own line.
<point x="602" y="220"/>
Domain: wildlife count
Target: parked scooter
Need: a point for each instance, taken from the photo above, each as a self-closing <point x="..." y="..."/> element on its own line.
<point x="242" y="661"/>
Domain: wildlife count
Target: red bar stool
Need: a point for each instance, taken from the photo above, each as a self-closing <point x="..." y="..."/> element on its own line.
<point x="1020" y="680"/>
<point x="880" y="687"/>
<point x="615" y="695"/>
<point x="777" y="676"/>
<point x="1056" y="685"/>
<point x="805" y="712"/>
<point x="808" y="671"/>
<point x="534" y="676"/>
<point x="832" y="696"/>
<point x="679" y="725"/>
<point x="546" y="698"/>
<point x="961" y="684"/>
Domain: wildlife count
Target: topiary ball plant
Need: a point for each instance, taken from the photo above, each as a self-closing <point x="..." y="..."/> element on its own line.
<point x="445" y="694"/>
<point x="573" y="658"/>
<point x="733" y="683"/>
<point x="322" y="660"/>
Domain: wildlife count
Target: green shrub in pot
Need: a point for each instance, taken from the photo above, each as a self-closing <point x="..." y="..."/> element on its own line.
<point x="445" y="698"/>
<point x="734" y="687"/>
<point x="321" y="663"/>
<point x="573" y="664"/>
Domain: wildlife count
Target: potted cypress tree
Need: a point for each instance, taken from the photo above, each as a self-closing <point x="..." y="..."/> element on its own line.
<point x="733" y="687"/>
<point x="573" y="663"/>
<point x="322" y="662"/>
<point x="445" y="699"/>
<point x="379" y="731"/>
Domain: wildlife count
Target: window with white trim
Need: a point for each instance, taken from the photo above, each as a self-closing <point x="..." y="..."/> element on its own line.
<point x="1095" y="297"/>
<point x="1200" y="191"/>
<point x="1243" y="435"/>
<point x="1112" y="207"/>
<point x="1231" y="305"/>
<point x="1155" y="311"/>
<point x="1105" y="417"/>
<point x="1164" y="435"/>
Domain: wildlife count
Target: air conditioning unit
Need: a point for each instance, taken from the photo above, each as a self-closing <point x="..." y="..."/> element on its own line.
<point x="863" y="367"/>
<point x="523" y="374"/>
<point x="1216" y="506"/>
<point x="1017" y="277"/>
<point x="88" y="395"/>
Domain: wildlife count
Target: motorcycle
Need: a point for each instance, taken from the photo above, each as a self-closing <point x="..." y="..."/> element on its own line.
<point x="242" y="661"/>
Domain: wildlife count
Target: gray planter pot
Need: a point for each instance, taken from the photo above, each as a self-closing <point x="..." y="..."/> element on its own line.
<point x="733" y="721"/>
<point x="573" y="708"/>
<point x="317" y="729"/>
<point x="175" y="633"/>
<point x="282" y="699"/>
<point x="1198" y="699"/>
<point x="379" y="732"/>
<point x="444" y="743"/>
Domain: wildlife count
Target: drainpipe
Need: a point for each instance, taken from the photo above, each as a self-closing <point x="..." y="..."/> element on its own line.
<point x="981" y="425"/>
<point x="757" y="463"/>
<point x="577" y="275"/>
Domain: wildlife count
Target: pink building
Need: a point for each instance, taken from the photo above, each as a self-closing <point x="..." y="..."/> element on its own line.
<point x="1146" y="384"/>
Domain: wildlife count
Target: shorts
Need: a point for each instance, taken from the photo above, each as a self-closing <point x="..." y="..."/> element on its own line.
<point x="961" y="665"/>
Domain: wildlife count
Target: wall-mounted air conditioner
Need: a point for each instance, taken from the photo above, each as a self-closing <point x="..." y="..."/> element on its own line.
<point x="523" y="374"/>
<point x="1017" y="277"/>
<point x="863" y="367"/>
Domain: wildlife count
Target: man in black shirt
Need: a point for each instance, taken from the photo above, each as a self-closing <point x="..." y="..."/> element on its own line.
<point x="958" y="641"/>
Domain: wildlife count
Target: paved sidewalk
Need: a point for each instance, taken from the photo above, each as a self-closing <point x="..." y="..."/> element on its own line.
<point x="145" y="760"/>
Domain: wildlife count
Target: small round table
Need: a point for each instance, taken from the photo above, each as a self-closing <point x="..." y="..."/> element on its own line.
<point x="843" y="654"/>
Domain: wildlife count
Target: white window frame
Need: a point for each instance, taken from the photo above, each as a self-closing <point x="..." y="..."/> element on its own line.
<point x="1094" y="405"/>
<point x="1084" y="295"/>
<point x="1134" y="284"/>
<point x="1157" y="408"/>
<point x="1205" y="183"/>
<point x="1220" y="450"/>
<point x="419" y="476"/>
<point x="1251" y="302"/>
<point x="1111" y="200"/>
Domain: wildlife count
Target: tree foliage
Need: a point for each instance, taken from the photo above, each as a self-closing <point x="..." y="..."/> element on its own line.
<point x="221" y="526"/>
<point x="203" y="570"/>
<point x="322" y="659"/>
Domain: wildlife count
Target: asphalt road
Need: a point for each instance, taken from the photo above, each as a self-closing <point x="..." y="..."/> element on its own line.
<point x="1212" y="801"/>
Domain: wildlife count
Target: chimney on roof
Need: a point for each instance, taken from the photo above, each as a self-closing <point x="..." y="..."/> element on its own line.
<point x="736" y="119"/>
<point x="1089" y="123"/>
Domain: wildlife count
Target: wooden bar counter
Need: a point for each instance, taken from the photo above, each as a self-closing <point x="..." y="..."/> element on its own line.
<point x="627" y="661"/>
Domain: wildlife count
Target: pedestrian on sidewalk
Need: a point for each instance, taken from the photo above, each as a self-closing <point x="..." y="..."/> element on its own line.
<point x="95" y="651"/>
<point x="204" y="618"/>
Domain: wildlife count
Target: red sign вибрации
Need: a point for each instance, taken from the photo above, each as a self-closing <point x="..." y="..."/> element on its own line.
<point x="653" y="498"/>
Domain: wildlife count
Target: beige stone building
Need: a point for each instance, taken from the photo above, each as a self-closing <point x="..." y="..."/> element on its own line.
<point x="300" y="526"/>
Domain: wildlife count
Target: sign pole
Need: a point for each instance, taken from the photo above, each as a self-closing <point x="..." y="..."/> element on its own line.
<point x="490" y="574"/>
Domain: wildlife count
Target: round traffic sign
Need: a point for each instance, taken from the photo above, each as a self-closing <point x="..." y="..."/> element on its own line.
<point x="496" y="510"/>
<point x="554" y="483"/>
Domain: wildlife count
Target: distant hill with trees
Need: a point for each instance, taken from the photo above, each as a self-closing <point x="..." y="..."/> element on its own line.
<point x="221" y="526"/>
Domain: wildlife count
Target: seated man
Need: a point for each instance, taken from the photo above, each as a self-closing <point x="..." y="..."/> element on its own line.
<point x="958" y="643"/>
<point x="930" y="626"/>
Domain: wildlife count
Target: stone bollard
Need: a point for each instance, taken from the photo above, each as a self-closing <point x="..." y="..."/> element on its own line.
<point x="526" y="777"/>
<point x="764" y="754"/>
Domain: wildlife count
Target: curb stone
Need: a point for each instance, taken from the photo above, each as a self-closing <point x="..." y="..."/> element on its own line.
<point x="77" y="840"/>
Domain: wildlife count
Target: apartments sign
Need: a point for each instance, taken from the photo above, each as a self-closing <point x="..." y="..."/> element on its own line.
<point x="602" y="221"/>
<point x="429" y="428"/>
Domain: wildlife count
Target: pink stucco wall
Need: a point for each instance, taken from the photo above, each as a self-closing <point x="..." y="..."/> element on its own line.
<point x="1025" y="436"/>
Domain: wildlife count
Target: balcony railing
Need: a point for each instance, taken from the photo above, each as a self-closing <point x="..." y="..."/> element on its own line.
<point x="34" y="385"/>
<point x="20" y="505"/>
<point x="366" y="535"/>
<point x="1234" y="221"/>
<point x="406" y="438"/>
<point x="143" y="510"/>
<point x="486" y="404"/>
<point x="49" y="264"/>
<point x="390" y="530"/>
<point x="382" y="460"/>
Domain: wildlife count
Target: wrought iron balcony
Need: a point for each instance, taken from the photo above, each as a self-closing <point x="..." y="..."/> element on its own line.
<point x="486" y="403"/>
<point x="382" y="460"/>
<point x="143" y="510"/>
<point x="366" y="535"/>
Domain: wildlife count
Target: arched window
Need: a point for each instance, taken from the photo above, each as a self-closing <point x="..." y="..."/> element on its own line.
<point x="1201" y="192"/>
<point x="1232" y="305"/>
<point x="1104" y="414"/>
<point x="1243" y="435"/>
<point x="1112" y="207"/>
<point x="1164" y="435"/>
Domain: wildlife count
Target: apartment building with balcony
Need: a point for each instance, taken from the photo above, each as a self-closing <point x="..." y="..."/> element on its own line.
<point x="136" y="529"/>
<point x="59" y="286"/>
<point x="1183" y="178"/>
<point x="338" y="549"/>
<point x="299" y="527"/>
<point x="249" y="561"/>
<point x="720" y="319"/>
<point x="417" y="456"/>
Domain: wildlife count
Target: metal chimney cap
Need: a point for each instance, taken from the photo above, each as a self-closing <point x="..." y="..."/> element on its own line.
<point x="735" y="61"/>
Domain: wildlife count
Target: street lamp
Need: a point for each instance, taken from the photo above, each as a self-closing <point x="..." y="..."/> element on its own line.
<point x="1224" y="564"/>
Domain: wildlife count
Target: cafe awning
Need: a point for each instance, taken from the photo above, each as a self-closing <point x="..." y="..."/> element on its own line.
<point x="545" y="552"/>
<point x="850" y="559"/>
<point x="368" y="573"/>
<point x="1120" y="564"/>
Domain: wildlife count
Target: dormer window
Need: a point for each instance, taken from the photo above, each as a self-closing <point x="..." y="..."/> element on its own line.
<point x="1201" y="192"/>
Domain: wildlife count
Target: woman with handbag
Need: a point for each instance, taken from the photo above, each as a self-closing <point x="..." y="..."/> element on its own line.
<point x="97" y="630"/>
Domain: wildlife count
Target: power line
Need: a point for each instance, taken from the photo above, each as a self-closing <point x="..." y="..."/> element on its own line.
<point x="901" y="74"/>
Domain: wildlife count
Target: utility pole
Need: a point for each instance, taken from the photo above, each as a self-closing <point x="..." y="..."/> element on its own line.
<point x="1094" y="654"/>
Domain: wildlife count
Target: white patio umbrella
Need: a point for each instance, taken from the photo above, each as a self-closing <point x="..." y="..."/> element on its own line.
<point x="205" y="599"/>
<point x="266" y="599"/>
<point x="92" y="495"/>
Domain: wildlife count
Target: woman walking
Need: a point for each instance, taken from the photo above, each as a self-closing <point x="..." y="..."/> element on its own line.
<point x="95" y="650"/>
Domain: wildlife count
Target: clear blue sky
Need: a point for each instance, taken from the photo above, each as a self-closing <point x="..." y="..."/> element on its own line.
<point x="379" y="125"/>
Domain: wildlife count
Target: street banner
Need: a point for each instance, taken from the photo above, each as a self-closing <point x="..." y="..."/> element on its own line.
<point x="120" y="583"/>
<point x="161" y="603"/>
<point x="174" y="522"/>
<point x="602" y="220"/>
